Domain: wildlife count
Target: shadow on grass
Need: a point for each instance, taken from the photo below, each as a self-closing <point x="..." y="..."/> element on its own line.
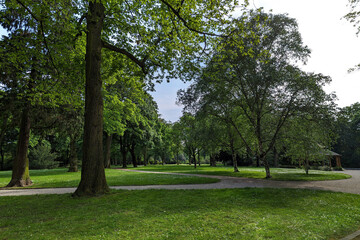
<point x="183" y="214"/>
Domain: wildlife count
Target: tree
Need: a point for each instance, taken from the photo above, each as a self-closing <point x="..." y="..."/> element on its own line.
<point x="28" y="67"/>
<point x="252" y="84"/>
<point x="308" y="137"/>
<point x="348" y="131"/>
<point x="156" y="36"/>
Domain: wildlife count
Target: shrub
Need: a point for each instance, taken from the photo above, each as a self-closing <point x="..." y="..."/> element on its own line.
<point x="325" y="168"/>
<point x="338" y="169"/>
<point x="41" y="157"/>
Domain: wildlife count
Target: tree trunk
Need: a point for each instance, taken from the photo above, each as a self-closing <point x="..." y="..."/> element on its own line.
<point x="276" y="158"/>
<point x="198" y="153"/>
<point x="212" y="160"/>
<point x="257" y="161"/>
<point x="133" y="155"/>
<point x="267" y="167"/>
<point x="20" y="174"/>
<point x="163" y="159"/>
<point x="2" y="135"/>
<point x="73" y="155"/>
<point x="2" y="157"/>
<point x="107" y="150"/>
<point x="123" y="150"/>
<point x="177" y="158"/>
<point x="233" y="153"/>
<point x="307" y="166"/>
<point x="194" y="157"/>
<point x="93" y="181"/>
<point x="145" y="155"/>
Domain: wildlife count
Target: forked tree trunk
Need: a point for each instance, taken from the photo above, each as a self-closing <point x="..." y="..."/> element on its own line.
<point x="20" y="174"/>
<point x="73" y="155"/>
<point x="108" y="150"/>
<point x="93" y="181"/>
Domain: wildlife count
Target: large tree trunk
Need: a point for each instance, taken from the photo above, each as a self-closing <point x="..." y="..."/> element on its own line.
<point x="93" y="181"/>
<point x="73" y="155"/>
<point x="108" y="150"/>
<point x="20" y="174"/>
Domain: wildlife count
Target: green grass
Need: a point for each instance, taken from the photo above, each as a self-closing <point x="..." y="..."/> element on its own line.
<point x="183" y="214"/>
<point x="284" y="174"/>
<point x="61" y="178"/>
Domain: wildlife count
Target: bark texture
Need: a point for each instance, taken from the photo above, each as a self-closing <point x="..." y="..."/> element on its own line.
<point x="20" y="174"/>
<point x="93" y="181"/>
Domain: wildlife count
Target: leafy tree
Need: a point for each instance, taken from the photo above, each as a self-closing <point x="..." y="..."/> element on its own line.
<point x="252" y="84"/>
<point x="28" y="67"/>
<point x="307" y="138"/>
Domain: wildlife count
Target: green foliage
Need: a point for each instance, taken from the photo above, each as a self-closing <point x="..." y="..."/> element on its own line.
<point x="348" y="130"/>
<point x="192" y="214"/>
<point x="41" y="157"/>
<point x="253" y="85"/>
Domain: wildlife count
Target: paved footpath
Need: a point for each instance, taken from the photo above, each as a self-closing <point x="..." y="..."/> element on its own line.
<point x="351" y="185"/>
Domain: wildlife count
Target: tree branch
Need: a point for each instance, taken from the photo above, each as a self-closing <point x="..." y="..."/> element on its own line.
<point x="141" y="64"/>
<point x="177" y="13"/>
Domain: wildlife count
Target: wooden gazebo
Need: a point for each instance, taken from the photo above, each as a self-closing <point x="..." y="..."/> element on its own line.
<point x="330" y="155"/>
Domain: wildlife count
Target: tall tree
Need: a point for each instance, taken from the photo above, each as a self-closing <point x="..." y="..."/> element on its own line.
<point x="155" y="35"/>
<point x="252" y="84"/>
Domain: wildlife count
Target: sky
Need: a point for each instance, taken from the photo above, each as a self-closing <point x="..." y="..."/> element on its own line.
<point x="332" y="40"/>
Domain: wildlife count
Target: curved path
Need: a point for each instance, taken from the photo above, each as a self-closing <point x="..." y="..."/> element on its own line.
<point x="351" y="185"/>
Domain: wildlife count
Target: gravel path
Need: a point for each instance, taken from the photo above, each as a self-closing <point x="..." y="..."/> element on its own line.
<point x="351" y="185"/>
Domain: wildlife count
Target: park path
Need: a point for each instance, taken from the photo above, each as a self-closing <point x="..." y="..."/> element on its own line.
<point x="351" y="185"/>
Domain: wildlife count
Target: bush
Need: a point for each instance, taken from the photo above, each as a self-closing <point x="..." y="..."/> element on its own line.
<point x="338" y="169"/>
<point x="41" y="157"/>
<point x="325" y="168"/>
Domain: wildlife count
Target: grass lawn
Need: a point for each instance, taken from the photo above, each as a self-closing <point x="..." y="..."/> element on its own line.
<point x="183" y="214"/>
<point x="285" y="174"/>
<point x="61" y="178"/>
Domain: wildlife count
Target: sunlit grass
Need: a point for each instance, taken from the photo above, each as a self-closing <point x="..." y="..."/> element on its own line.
<point x="251" y="172"/>
<point x="183" y="214"/>
<point x="61" y="178"/>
